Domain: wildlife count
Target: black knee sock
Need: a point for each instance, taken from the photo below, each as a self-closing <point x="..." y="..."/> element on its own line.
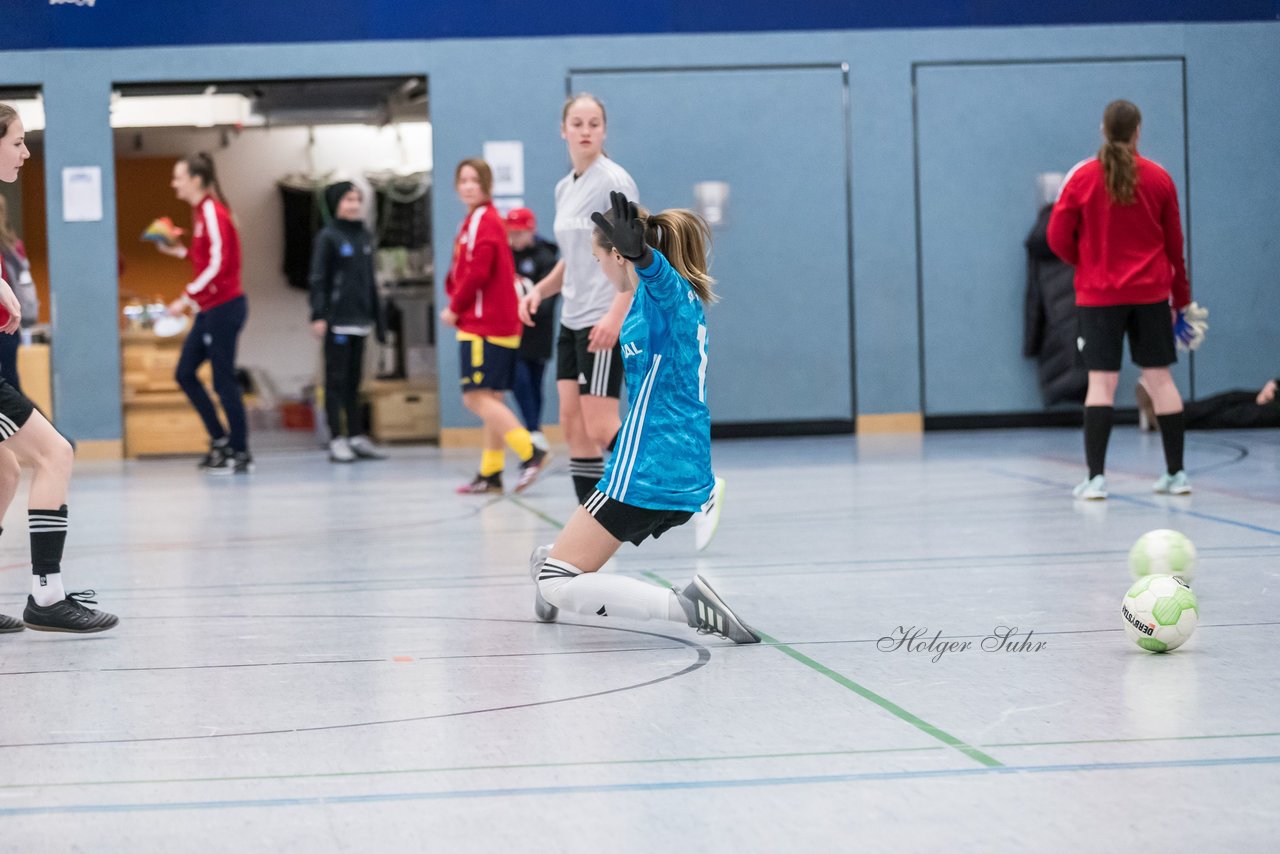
<point x="1097" y="432"/>
<point x="48" y="536"/>
<point x="1172" y="433"/>
<point x="586" y="472"/>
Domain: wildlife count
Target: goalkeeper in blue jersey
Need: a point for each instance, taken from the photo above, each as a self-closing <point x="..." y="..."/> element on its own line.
<point x="660" y="471"/>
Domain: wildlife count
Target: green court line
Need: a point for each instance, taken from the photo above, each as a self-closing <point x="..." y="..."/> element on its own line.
<point x="498" y="767"/>
<point x="867" y="694"/>
<point x="555" y="523"/>
<point x="840" y="679"/>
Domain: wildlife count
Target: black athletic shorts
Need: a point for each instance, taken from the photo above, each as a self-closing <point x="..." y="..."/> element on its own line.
<point x="596" y="373"/>
<point x="15" y="409"/>
<point x="486" y="364"/>
<point x="629" y="523"/>
<point x="1103" y="328"/>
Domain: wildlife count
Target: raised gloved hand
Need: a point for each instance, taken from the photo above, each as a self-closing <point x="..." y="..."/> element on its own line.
<point x="1190" y="326"/>
<point x="626" y="232"/>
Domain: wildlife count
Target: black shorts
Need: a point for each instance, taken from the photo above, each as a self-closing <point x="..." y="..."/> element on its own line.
<point x="15" y="409"/>
<point x="597" y="373"/>
<point x="1103" y="328"/>
<point x="484" y="364"/>
<point x="629" y="523"/>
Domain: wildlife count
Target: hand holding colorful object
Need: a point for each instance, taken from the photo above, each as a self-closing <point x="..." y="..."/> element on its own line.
<point x="163" y="232"/>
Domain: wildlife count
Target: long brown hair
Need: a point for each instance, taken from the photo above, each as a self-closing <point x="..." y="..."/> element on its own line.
<point x="682" y="236"/>
<point x="483" y="172"/>
<point x="200" y="165"/>
<point x="8" y="237"/>
<point x="1120" y="122"/>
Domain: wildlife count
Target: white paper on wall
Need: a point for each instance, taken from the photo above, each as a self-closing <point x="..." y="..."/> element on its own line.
<point x="506" y="159"/>
<point x="82" y="194"/>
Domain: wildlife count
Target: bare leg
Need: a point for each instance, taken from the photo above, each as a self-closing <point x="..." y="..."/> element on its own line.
<point x="571" y="421"/>
<point x="600" y="415"/>
<point x="50" y="456"/>
<point x="10" y="476"/>
<point x="1164" y="392"/>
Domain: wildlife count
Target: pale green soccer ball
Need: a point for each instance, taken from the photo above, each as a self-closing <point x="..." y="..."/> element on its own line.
<point x="1163" y="552"/>
<point x="1160" y="612"/>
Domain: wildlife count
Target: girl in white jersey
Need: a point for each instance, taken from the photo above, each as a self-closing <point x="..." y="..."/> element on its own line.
<point x="661" y="473"/>
<point x="589" y="371"/>
<point x="588" y="361"/>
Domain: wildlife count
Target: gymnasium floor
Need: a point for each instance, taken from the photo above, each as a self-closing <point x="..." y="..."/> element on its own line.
<point x="344" y="659"/>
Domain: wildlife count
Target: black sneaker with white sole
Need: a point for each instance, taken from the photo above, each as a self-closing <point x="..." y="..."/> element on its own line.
<point x="9" y="624"/>
<point x="709" y="614"/>
<point x="218" y="452"/>
<point x="69" y="615"/>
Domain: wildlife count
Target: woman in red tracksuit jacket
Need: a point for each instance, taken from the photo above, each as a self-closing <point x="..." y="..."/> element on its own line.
<point x="481" y="287"/>
<point x="221" y="310"/>
<point x="1116" y="221"/>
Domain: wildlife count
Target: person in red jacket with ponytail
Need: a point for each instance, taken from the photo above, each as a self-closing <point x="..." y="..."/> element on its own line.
<point x="481" y="287"/>
<point x="1116" y="221"/>
<point x="221" y="311"/>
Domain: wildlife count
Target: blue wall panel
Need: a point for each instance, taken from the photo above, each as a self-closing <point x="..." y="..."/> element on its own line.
<point x="787" y="178"/>
<point x="985" y="132"/>
<point x="513" y="88"/>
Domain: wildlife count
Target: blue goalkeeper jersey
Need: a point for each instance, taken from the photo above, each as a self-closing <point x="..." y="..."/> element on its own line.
<point x="662" y="459"/>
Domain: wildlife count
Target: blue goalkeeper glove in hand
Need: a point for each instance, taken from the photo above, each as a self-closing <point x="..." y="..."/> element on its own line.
<point x="626" y="232"/>
<point x="1190" y="326"/>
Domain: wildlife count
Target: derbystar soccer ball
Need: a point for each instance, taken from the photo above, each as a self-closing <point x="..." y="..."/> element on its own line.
<point x="1160" y="612"/>
<point x="1163" y="552"/>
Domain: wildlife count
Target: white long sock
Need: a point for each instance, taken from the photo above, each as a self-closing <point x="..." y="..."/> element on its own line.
<point x="565" y="586"/>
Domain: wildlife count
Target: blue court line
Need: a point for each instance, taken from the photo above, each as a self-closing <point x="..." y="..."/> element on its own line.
<point x="1143" y="503"/>
<point x="675" y="785"/>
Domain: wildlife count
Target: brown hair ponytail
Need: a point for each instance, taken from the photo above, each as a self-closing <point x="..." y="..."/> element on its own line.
<point x="200" y="165"/>
<point x="1120" y="122"/>
<point x="682" y="236"/>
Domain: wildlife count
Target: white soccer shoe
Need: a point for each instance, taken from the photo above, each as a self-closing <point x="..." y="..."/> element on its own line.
<point x="542" y="609"/>
<point x="707" y="520"/>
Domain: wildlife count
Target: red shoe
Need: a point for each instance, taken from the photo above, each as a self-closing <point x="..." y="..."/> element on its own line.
<point x="482" y="485"/>
<point x="532" y="467"/>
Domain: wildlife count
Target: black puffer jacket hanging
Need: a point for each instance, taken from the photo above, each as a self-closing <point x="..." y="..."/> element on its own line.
<point x="1050" y="324"/>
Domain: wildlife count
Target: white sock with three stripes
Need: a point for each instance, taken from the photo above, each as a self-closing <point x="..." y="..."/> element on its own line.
<point x="565" y="586"/>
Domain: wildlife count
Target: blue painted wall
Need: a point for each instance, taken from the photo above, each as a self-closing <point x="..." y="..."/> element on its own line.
<point x="114" y="23"/>
<point x="512" y="89"/>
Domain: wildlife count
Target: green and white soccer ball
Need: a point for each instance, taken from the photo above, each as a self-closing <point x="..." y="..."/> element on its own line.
<point x="1163" y="552"/>
<point x="1160" y="612"/>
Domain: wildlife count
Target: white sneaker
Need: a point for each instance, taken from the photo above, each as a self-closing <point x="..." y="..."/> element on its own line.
<point x="707" y="520"/>
<point x="340" y="451"/>
<point x="542" y="609"/>
<point x="365" y="449"/>
<point x="539" y="441"/>
<point x="1091" y="489"/>
<point x="1172" y="484"/>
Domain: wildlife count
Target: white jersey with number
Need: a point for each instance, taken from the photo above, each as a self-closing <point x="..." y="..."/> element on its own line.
<point x="587" y="293"/>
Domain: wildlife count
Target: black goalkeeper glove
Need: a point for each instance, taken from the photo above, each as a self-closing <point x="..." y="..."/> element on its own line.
<point x="626" y="232"/>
